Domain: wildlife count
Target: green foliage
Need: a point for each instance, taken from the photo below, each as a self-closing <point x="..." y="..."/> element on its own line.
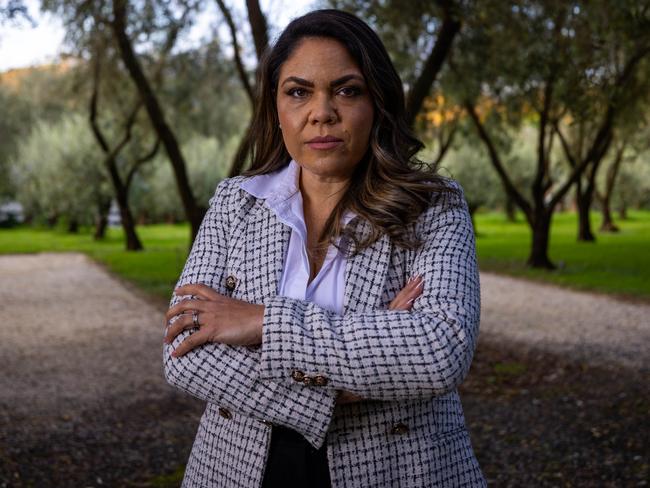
<point x="14" y="124"/>
<point x="406" y="28"/>
<point x="633" y="183"/>
<point x="155" y="197"/>
<point x="203" y="95"/>
<point x="57" y="171"/>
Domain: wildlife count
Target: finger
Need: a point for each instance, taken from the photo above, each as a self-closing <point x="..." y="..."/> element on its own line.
<point x="184" y="306"/>
<point x="197" y="289"/>
<point x="411" y="290"/>
<point x="183" y="322"/>
<point x="404" y="300"/>
<point x="194" y="340"/>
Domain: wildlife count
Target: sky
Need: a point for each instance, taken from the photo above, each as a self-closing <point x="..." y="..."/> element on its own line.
<point x="23" y="45"/>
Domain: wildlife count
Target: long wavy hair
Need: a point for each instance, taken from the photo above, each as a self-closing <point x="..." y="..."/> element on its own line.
<point x="390" y="187"/>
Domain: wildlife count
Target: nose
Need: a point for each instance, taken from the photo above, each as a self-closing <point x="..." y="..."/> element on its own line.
<point x="323" y="111"/>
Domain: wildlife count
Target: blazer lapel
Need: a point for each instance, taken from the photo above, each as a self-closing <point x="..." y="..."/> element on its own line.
<point x="267" y="241"/>
<point x="365" y="276"/>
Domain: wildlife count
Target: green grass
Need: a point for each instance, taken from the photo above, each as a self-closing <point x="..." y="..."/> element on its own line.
<point x="617" y="263"/>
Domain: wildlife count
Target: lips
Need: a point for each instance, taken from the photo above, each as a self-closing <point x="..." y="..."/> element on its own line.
<point x="324" y="142"/>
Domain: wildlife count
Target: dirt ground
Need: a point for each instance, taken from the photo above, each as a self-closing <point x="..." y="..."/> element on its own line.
<point x="558" y="394"/>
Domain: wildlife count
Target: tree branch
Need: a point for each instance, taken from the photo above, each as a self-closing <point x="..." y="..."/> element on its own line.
<point x="140" y="161"/>
<point x="241" y="71"/>
<point x="258" y="26"/>
<point x="496" y="162"/>
<point x="450" y="27"/>
<point x="604" y="136"/>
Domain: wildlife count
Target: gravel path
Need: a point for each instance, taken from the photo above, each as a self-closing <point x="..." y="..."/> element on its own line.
<point x="83" y="398"/>
<point x="72" y="336"/>
<point x="582" y="326"/>
<point x="82" y="394"/>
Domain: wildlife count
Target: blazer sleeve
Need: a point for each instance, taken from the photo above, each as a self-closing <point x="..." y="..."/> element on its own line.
<point x="225" y="374"/>
<point x="385" y="354"/>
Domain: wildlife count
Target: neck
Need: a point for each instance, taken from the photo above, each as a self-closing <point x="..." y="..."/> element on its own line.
<point x="321" y="194"/>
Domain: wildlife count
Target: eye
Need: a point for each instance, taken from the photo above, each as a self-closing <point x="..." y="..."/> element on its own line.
<point x="349" y="91"/>
<point x="297" y="92"/>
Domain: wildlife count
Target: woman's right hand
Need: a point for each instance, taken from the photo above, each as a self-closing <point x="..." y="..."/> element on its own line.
<point x="402" y="301"/>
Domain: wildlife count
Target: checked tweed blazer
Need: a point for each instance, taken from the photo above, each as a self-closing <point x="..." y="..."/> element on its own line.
<point x="409" y="432"/>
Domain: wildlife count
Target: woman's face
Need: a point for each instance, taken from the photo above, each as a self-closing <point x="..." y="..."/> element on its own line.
<point x="325" y="109"/>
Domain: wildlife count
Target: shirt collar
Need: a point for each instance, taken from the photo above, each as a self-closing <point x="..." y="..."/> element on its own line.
<point x="274" y="187"/>
<point x="279" y="186"/>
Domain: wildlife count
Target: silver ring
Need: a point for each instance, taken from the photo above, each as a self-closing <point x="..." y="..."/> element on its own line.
<point x="195" y="318"/>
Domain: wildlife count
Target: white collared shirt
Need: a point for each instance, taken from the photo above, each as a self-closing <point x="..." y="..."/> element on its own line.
<point x="281" y="190"/>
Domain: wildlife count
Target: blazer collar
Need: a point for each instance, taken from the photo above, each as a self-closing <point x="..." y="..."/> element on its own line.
<point x="268" y="242"/>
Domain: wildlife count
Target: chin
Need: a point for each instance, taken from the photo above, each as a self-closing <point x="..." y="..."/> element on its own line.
<point x="329" y="165"/>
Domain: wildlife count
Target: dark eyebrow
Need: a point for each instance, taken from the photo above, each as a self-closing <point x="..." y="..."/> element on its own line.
<point x="345" y="79"/>
<point x="337" y="82"/>
<point x="297" y="80"/>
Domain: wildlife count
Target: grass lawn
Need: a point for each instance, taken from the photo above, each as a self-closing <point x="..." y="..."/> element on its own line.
<point x="617" y="263"/>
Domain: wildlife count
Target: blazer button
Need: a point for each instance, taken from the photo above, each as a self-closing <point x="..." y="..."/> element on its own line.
<point x="320" y="380"/>
<point x="231" y="282"/>
<point x="399" y="429"/>
<point x="225" y="413"/>
<point x="297" y="375"/>
<point x="308" y="380"/>
<point x="267" y="423"/>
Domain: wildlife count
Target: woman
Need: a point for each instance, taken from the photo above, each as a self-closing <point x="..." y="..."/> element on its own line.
<point x="322" y="362"/>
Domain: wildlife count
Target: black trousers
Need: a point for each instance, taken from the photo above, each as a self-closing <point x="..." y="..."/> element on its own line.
<point x="294" y="463"/>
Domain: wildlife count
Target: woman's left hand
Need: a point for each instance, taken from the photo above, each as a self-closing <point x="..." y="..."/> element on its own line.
<point x="220" y="319"/>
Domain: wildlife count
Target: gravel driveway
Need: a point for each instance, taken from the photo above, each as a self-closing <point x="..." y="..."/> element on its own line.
<point x="83" y="401"/>
<point x="587" y="327"/>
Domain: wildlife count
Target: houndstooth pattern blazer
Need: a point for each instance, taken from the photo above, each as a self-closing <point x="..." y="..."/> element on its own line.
<point x="409" y="432"/>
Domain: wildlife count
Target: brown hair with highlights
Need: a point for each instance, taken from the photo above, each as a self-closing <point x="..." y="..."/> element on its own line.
<point x="390" y="187"/>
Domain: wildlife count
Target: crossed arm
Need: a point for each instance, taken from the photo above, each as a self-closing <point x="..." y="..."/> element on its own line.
<point x="385" y="354"/>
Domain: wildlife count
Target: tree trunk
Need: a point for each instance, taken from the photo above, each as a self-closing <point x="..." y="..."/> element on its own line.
<point x="541" y="228"/>
<point x="101" y="222"/>
<point x="258" y="25"/>
<point x="73" y="226"/>
<point x="622" y="211"/>
<point x="582" y="210"/>
<point x="583" y="202"/>
<point x="52" y="221"/>
<point x="133" y="242"/>
<point x="193" y="211"/>
<point x="608" y="224"/>
<point x="450" y="27"/>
